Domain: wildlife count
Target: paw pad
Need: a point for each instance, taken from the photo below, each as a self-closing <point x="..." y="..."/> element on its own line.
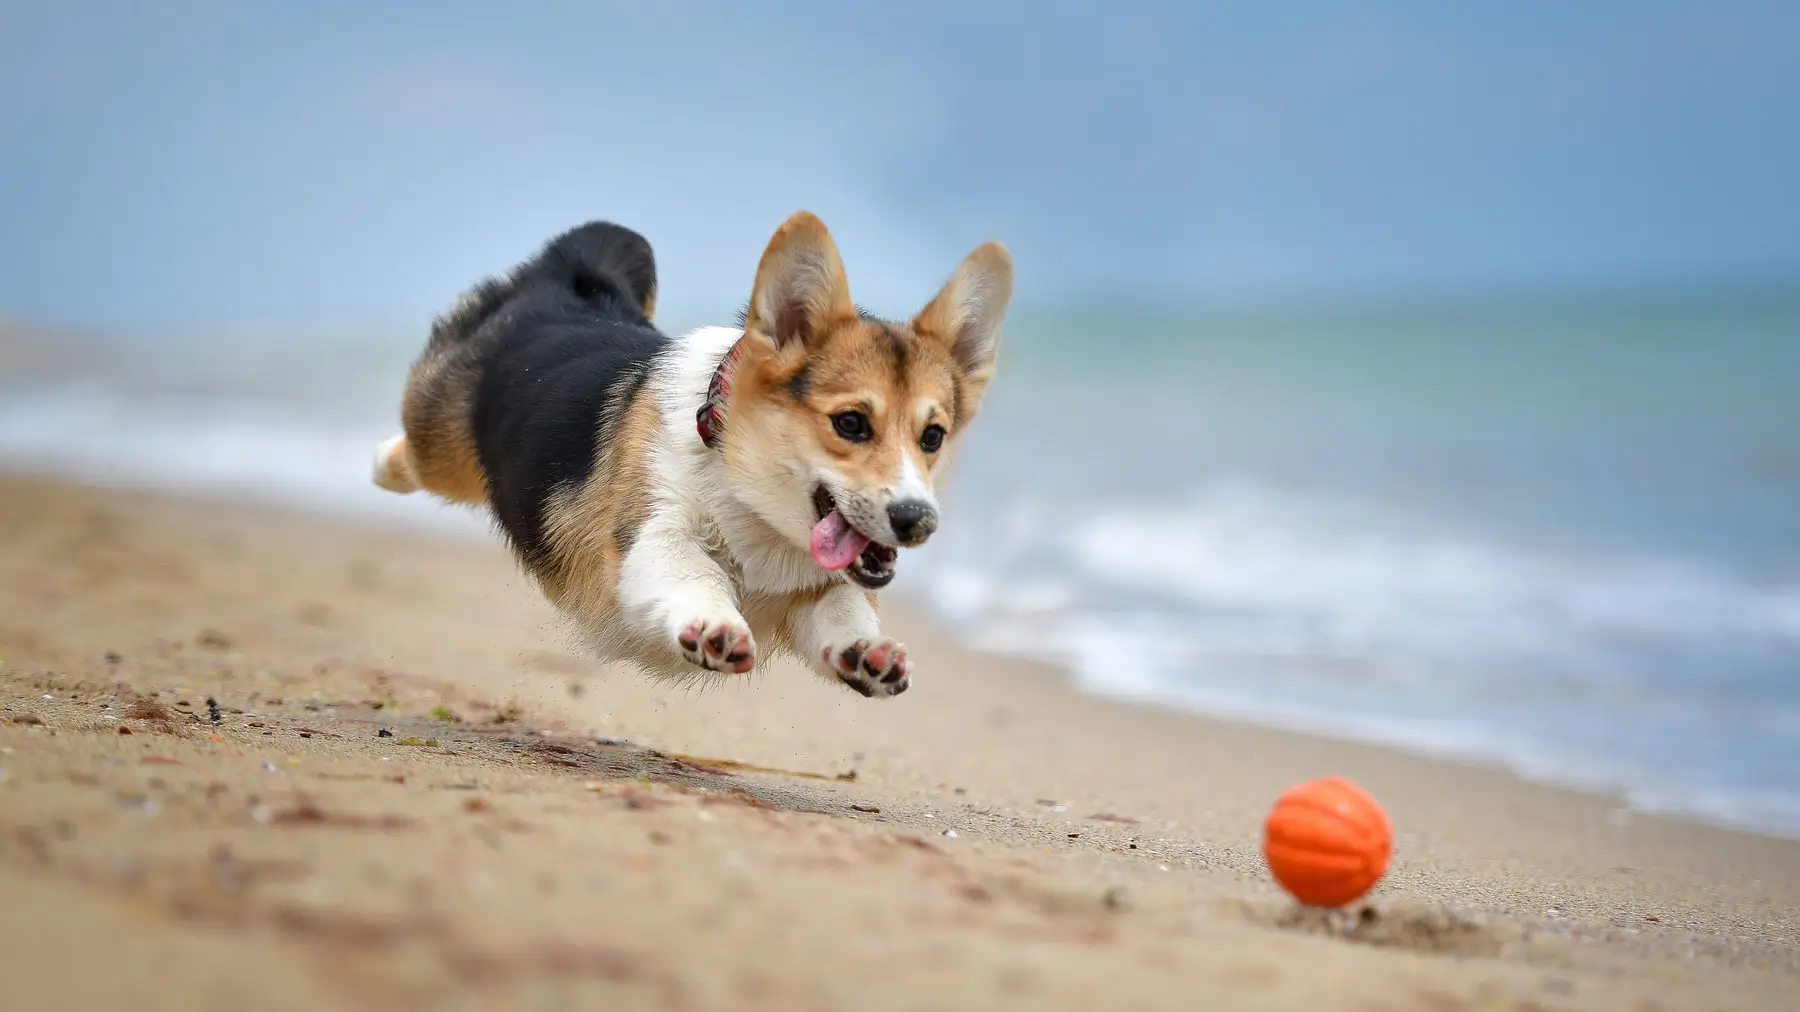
<point x="871" y="667"/>
<point x="718" y="645"/>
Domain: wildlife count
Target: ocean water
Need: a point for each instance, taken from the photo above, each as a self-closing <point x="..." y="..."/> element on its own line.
<point x="1559" y="535"/>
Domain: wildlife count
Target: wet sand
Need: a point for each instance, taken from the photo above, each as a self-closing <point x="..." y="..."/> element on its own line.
<point x="408" y="791"/>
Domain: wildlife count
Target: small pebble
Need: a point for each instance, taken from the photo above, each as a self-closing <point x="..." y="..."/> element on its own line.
<point x="49" y="696"/>
<point x="950" y="833"/>
<point x="269" y="767"/>
<point x="864" y="808"/>
<point x="384" y="733"/>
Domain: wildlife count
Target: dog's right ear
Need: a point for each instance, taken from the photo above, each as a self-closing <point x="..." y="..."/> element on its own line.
<point x="800" y="288"/>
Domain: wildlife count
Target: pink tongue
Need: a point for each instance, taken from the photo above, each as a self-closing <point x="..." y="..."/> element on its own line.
<point x="835" y="544"/>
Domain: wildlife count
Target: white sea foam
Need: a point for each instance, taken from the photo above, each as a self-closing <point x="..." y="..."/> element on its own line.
<point x="247" y="448"/>
<point x="1667" y="682"/>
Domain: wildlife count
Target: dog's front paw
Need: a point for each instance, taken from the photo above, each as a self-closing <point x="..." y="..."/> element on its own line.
<point x="873" y="667"/>
<point x="718" y="644"/>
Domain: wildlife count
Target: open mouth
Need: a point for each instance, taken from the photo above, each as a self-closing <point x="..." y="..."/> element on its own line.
<point x="837" y="545"/>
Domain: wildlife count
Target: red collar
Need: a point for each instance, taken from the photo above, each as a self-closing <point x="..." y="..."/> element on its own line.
<point x="710" y="419"/>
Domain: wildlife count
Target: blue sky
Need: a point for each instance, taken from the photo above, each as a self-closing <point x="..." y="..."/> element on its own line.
<point x="202" y="163"/>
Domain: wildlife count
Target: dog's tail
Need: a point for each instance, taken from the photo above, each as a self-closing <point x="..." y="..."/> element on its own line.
<point x="604" y="264"/>
<point x="609" y="267"/>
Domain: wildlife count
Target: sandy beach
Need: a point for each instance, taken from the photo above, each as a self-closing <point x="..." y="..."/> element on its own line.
<point x="252" y="759"/>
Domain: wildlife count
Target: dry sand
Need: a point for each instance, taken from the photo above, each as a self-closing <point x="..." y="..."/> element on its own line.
<point x="534" y="832"/>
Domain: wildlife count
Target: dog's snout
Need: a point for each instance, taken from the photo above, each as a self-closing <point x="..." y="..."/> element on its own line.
<point x="912" y="520"/>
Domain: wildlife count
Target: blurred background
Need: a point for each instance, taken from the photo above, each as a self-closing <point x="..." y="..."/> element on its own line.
<point x="1420" y="373"/>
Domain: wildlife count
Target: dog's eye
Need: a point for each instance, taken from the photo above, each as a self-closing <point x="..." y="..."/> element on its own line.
<point x="852" y="425"/>
<point x="932" y="439"/>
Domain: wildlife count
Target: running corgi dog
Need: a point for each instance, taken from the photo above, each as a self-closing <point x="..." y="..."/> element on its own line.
<point x="698" y="504"/>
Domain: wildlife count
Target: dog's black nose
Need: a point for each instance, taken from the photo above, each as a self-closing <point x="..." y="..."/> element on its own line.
<point x="912" y="520"/>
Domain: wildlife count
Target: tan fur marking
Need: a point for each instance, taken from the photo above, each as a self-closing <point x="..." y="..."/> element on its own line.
<point x="850" y="366"/>
<point x="440" y="448"/>
<point x="583" y="529"/>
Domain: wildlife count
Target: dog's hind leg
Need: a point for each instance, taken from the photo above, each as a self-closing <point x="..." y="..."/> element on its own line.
<point x="392" y="471"/>
<point x="437" y="452"/>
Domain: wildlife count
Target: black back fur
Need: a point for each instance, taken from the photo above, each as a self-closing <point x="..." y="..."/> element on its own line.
<point x="560" y="347"/>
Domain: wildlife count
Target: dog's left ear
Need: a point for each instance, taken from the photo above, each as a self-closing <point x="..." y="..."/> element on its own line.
<point x="967" y="313"/>
<point x="800" y="287"/>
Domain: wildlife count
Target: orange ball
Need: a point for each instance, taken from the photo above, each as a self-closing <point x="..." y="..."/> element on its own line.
<point x="1327" y="841"/>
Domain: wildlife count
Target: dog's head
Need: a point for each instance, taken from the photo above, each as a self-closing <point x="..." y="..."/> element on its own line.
<point x="841" y="424"/>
